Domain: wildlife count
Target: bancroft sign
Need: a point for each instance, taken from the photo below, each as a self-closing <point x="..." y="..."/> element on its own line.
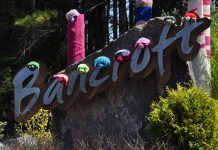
<point x="31" y="93"/>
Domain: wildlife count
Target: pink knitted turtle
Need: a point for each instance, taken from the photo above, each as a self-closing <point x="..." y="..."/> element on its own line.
<point x="142" y="43"/>
<point x="62" y="78"/>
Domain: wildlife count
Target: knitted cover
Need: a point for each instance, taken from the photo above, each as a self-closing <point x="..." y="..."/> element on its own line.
<point x="122" y="55"/>
<point x="83" y="68"/>
<point x="33" y="65"/>
<point x="192" y="15"/>
<point x="143" y="11"/>
<point x="102" y="62"/>
<point x="142" y="43"/>
<point x="76" y="40"/>
<point x="200" y="66"/>
<point x="62" y="78"/>
<point x="170" y="19"/>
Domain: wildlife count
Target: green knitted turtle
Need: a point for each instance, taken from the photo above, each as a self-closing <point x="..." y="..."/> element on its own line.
<point x="83" y="68"/>
<point x="170" y="19"/>
<point x="33" y="65"/>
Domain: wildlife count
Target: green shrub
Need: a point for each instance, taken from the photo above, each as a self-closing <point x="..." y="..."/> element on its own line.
<point x="214" y="59"/>
<point x="187" y="118"/>
<point x="37" y="18"/>
<point x="2" y="126"/>
<point x="37" y="126"/>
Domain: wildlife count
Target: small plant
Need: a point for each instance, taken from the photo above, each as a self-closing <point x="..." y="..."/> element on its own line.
<point x="188" y="118"/>
<point x="37" y="126"/>
<point x="2" y="126"/>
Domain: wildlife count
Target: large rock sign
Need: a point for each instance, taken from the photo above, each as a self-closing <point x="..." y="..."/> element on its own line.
<point x="105" y="101"/>
<point x="31" y="93"/>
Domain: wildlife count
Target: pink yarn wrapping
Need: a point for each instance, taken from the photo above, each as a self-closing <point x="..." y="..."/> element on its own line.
<point x="208" y="54"/>
<point x="207" y="40"/>
<point x="76" y="40"/>
<point x="206" y="2"/>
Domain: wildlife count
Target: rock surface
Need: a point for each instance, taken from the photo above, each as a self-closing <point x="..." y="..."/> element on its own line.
<point x="119" y="111"/>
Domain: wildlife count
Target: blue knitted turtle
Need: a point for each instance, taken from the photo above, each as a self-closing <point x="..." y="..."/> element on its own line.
<point x="102" y="62"/>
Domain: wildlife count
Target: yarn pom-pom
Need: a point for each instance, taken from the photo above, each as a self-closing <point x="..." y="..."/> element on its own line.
<point x="122" y="55"/>
<point x="142" y="43"/>
<point x="70" y="16"/>
<point x="83" y="68"/>
<point x="33" y="65"/>
<point x="62" y="78"/>
<point x="102" y="62"/>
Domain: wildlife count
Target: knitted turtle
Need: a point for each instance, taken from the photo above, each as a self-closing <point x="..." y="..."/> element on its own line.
<point x="122" y="55"/>
<point x="191" y="16"/>
<point x="33" y="65"/>
<point x="62" y="78"/>
<point x="83" y="68"/>
<point x="170" y="19"/>
<point x="70" y="16"/>
<point x="142" y="43"/>
<point x="102" y="62"/>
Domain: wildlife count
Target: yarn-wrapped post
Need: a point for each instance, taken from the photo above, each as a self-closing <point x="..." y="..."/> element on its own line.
<point x="75" y="37"/>
<point x="143" y="11"/>
<point x="200" y="66"/>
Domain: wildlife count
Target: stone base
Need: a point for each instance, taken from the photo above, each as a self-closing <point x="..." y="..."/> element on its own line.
<point x="118" y="112"/>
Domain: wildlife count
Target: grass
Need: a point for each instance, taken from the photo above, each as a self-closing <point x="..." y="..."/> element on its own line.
<point x="98" y="143"/>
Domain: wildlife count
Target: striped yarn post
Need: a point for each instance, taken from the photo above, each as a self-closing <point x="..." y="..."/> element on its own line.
<point x="143" y="11"/>
<point x="200" y="66"/>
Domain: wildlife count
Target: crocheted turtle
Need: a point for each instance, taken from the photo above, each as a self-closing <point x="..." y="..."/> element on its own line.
<point x="62" y="78"/>
<point x="191" y="16"/>
<point x="83" y="68"/>
<point x="170" y="19"/>
<point x="33" y="65"/>
<point x="122" y="55"/>
<point x="72" y="14"/>
<point x="142" y="43"/>
<point x="102" y="62"/>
